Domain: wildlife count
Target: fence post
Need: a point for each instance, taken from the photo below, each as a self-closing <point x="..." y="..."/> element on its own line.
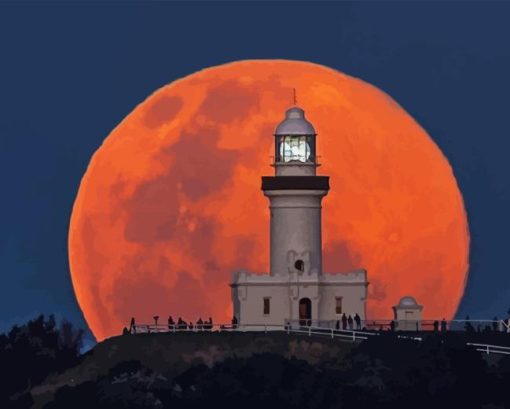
<point x="487" y="349"/>
<point x="353" y="336"/>
<point x="309" y="331"/>
<point x="265" y="329"/>
<point x="332" y="336"/>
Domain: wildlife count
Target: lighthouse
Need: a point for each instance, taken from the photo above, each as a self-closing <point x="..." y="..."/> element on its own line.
<point x="296" y="288"/>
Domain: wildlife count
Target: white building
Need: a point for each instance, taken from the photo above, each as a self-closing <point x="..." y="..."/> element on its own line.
<point x="296" y="287"/>
<point x="407" y="314"/>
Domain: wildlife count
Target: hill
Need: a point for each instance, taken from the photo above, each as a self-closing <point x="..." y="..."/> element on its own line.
<point x="194" y="370"/>
<point x="173" y="354"/>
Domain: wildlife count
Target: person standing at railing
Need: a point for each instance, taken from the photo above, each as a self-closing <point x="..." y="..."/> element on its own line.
<point x="443" y="325"/>
<point x="350" y="321"/>
<point x="234" y="322"/>
<point x="468" y="327"/>
<point x="171" y="323"/>
<point x="337" y="325"/>
<point x="357" y="319"/>
<point x="436" y="325"/>
<point x="200" y="324"/>
<point x="344" y="321"/>
<point x="393" y="325"/>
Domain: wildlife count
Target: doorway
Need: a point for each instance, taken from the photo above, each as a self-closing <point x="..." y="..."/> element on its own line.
<point x="305" y="311"/>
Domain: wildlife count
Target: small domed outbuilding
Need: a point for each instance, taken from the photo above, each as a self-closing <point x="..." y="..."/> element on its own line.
<point x="407" y="314"/>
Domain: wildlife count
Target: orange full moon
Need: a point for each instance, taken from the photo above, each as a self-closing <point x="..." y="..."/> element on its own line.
<point x="171" y="205"/>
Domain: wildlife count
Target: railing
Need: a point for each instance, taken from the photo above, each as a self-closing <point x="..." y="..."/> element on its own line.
<point x="153" y="328"/>
<point x="337" y="325"/>
<point x="293" y="327"/>
<point x="306" y="327"/>
<point x="490" y="349"/>
<point x="413" y="325"/>
<point x="297" y="327"/>
<point x="467" y="325"/>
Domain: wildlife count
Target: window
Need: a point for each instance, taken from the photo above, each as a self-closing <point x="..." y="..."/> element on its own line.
<point x="338" y="305"/>
<point x="266" y="305"/>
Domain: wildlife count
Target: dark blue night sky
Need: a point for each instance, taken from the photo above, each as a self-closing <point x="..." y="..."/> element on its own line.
<point x="69" y="73"/>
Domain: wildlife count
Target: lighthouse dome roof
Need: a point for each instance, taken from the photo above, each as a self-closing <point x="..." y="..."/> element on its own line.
<point x="295" y="123"/>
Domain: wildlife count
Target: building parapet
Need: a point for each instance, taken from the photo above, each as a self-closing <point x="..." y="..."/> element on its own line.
<point x="354" y="277"/>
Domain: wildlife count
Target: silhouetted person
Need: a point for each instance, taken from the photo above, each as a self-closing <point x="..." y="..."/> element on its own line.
<point x="357" y="319"/>
<point x="156" y="318"/>
<point x="190" y="325"/>
<point x="132" y="326"/>
<point x="350" y="321"/>
<point x="125" y="331"/>
<point x="337" y="326"/>
<point x="436" y="325"/>
<point x="393" y="325"/>
<point x="200" y="324"/>
<point x="234" y="322"/>
<point x="210" y="324"/>
<point x="468" y="326"/>
<point x="443" y="325"/>
<point x="344" y="321"/>
<point x="495" y="323"/>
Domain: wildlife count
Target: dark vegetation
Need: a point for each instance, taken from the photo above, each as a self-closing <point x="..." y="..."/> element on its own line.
<point x="382" y="372"/>
<point x="30" y="352"/>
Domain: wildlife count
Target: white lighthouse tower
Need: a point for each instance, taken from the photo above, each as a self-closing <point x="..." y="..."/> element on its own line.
<point x="295" y="194"/>
<point x="296" y="288"/>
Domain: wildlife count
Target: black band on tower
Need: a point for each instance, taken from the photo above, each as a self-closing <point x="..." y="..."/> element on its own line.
<point x="295" y="182"/>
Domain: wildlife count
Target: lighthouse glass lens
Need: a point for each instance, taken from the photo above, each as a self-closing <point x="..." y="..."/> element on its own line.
<point x="285" y="150"/>
<point x="304" y="150"/>
<point x="294" y="148"/>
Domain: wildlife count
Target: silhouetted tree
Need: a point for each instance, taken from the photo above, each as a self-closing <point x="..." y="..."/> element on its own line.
<point x="30" y="352"/>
